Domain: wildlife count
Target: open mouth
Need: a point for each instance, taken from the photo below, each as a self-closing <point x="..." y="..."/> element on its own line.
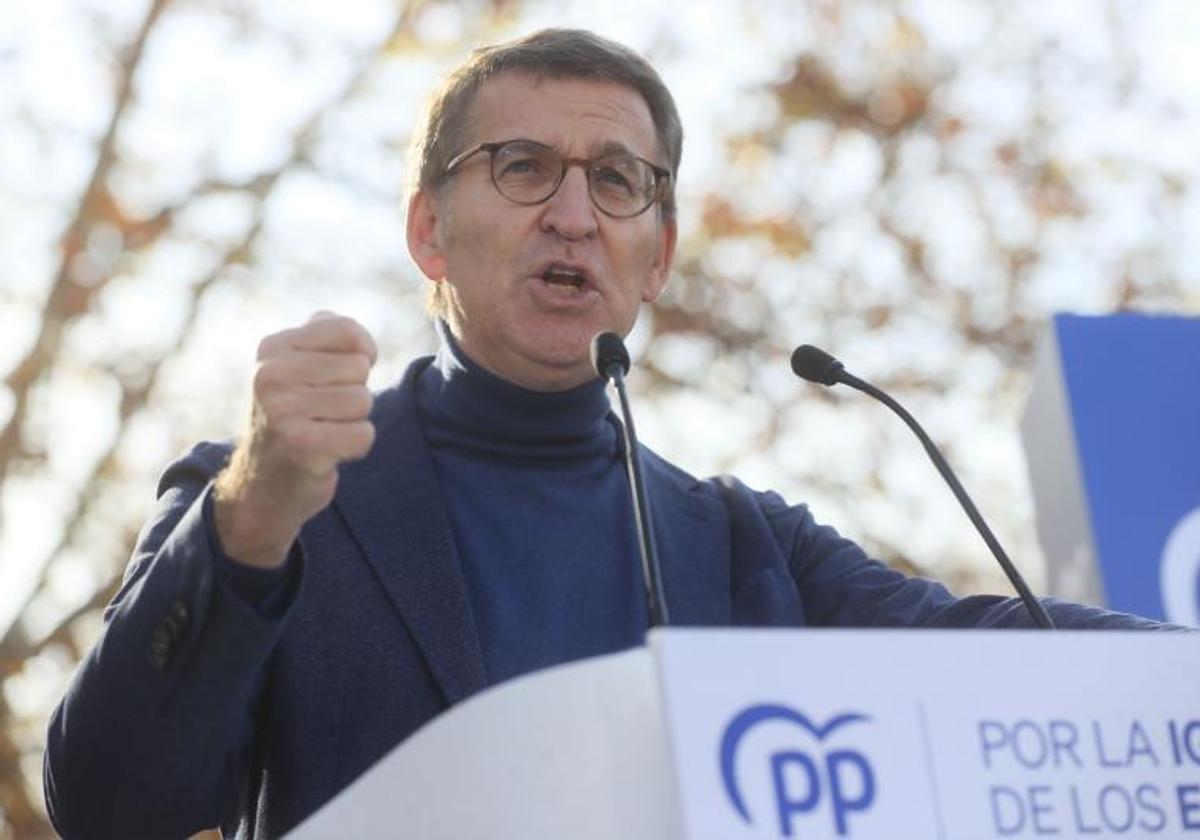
<point x="560" y="275"/>
<point x="569" y="282"/>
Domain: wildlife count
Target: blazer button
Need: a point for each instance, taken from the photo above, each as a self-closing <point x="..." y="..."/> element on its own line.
<point x="161" y="646"/>
<point x="176" y="620"/>
<point x="180" y="611"/>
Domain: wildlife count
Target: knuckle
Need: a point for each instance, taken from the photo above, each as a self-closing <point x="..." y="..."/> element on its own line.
<point x="269" y="345"/>
<point x="355" y="439"/>
<point x="366" y="437"/>
<point x="338" y="325"/>
<point x="353" y="334"/>
<point x="360" y="367"/>
<point x="316" y="329"/>
<point x="274" y="407"/>
<point x="365" y="341"/>
<point x="361" y="401"/>
<point x="265" y="377"/>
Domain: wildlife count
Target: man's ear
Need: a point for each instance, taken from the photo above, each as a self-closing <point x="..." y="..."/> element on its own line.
<point x="664" y="258"/>
<point x="424" y="229"/>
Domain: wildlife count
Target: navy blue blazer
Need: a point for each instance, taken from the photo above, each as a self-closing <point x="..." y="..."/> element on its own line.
<point x="195" y="709"/>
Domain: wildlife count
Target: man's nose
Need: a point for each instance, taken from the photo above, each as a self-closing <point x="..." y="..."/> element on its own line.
<point x="570" y="212"/>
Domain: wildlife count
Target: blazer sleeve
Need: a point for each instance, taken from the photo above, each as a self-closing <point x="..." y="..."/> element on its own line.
<point x="840" y="585"/>
<point x="152" y="735"/>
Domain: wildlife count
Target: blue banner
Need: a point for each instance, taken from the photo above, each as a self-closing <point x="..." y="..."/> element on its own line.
<point x="1133" y="386"/>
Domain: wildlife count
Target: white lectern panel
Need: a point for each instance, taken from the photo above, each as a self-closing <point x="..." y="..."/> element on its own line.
<point x="573" y="752"/>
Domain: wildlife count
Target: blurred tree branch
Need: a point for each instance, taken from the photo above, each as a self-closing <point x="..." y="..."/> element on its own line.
<point x="67" y="296"/>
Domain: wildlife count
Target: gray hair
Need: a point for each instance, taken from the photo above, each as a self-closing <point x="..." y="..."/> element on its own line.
<point x="553" y="54"/>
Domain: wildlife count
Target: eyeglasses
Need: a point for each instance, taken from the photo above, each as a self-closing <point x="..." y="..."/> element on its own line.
<point x="621" y="185"/>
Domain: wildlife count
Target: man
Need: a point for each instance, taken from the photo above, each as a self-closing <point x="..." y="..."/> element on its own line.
<point x="298" y="607"/>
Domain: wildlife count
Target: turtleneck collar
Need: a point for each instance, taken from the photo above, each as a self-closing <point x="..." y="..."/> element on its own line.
<point x="464" y="406"/>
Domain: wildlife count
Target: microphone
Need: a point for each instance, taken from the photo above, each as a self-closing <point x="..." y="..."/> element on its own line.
<point x="609" y="356"/>
<point x="610" y="360"/>
<point x="815" y="365"/>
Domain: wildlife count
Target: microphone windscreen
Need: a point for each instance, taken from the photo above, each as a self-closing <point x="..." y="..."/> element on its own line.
<point x="815" y="365"/>
<point x="607" y="350"/>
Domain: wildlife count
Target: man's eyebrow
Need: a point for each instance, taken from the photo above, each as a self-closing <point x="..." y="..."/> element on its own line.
<point x="614" y="147"/>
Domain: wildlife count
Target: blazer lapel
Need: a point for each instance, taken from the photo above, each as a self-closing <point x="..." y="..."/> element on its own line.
<point x="392" y="505"/>
<point x="692" y="534"/>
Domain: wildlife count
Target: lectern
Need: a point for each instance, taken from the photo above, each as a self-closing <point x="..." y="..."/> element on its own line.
<point x="729" y="734"/>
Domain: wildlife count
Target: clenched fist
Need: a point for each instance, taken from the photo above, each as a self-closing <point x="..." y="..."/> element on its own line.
<point x="309" y="414"/>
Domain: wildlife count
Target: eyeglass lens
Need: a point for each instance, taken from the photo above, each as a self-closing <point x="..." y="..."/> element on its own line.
<point x="528" y="173"/>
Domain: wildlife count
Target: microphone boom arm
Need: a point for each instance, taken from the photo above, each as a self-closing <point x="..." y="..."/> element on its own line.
<point x="815" y="365"/>
<point x="1040" y="618"/>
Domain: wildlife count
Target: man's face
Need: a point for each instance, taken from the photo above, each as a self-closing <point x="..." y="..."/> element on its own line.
<point x="518" y="305"/>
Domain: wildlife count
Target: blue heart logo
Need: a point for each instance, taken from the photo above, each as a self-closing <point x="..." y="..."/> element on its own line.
<point x="752" y="717"/>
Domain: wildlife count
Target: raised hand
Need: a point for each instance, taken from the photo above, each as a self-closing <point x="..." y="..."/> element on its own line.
<point x="310" y="413"/>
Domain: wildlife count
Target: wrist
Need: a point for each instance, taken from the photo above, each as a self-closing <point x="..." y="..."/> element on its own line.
<point x="249" y="532"/>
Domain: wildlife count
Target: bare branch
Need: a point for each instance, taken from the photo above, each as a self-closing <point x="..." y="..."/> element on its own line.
<point x="15" y="644"/>
<point x="66" y="297"/>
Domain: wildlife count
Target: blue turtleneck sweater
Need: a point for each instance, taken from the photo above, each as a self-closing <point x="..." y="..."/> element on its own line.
<point x="535" y="489"/>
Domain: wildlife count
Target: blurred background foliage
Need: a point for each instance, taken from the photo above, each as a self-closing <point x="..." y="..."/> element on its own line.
<point x="916" y="186"/>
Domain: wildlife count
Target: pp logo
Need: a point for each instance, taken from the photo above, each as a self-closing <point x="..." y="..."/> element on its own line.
<point x="805" y="783"/>
<point x="1179" y="574"/>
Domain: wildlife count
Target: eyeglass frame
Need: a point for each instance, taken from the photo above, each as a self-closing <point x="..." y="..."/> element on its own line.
<point x="661" y="175"/>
